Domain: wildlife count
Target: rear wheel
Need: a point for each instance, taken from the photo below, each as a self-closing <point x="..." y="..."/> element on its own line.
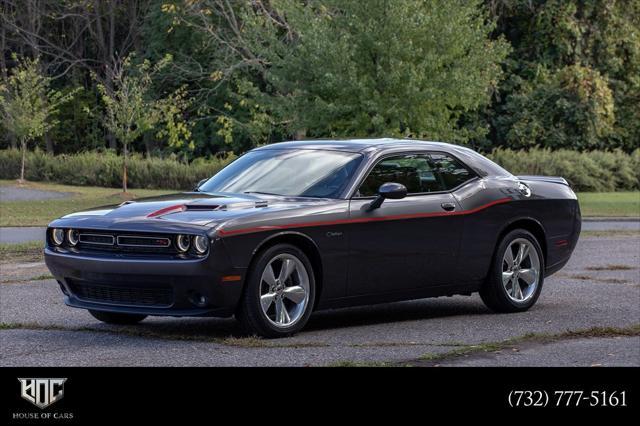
<point x="280" y="292"/>
<point x="117" y="318"/>
<point x="516" y="275"/>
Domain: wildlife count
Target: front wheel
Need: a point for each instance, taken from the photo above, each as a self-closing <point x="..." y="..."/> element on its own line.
<point x="280" y="292"/>
<point x="117" y="318"/>
<point x="517" y="274"/>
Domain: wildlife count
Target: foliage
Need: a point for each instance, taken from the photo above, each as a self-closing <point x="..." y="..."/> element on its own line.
<point x="353" y="68"/>
<point x="28" y="104"/>
<point x="132" y="109"/>
<point x="558" y="74"/>
<point x="585" y="171"/>
<point x="573" y="75"/>
<point x="105" y="169"/>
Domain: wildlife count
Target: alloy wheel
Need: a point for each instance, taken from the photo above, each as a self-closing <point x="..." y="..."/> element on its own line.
<point x="284" y="290"/>
<point x="520" y="270"/>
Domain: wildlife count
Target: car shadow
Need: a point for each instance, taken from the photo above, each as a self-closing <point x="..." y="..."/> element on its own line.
<point x="223" y="328"/>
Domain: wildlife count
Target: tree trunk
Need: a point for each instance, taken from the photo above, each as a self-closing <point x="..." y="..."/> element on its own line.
<point x="148" y="143"/>
<point x="23" y="145"/>
<point x="48" y="143"/>
<point x="12" y="141"/>
<point x="124" y="169"/>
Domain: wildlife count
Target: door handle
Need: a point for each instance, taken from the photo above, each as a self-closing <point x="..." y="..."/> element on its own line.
<point x="448" y="206"/>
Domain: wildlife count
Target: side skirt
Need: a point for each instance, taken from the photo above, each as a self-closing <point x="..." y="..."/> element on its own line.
<point x="370" y="299"/>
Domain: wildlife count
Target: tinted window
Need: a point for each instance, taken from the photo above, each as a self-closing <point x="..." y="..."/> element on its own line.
<point x="413" y="171"/>
<point x="451" y="172"/>
<point x="298" y="172"/>
<point x="420" y="173"/>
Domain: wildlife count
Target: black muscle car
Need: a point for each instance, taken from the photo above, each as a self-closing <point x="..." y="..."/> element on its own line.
<point x="293" y="227"/>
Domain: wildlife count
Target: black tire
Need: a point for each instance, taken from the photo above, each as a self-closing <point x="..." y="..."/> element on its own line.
<point x="117" y="318"/>
<point x="250" y="313"/>
<point x="493" y="292"/>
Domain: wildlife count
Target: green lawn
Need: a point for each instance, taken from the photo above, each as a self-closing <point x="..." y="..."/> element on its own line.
<point x="614" y="204"/>
<point x="40" y="213"/>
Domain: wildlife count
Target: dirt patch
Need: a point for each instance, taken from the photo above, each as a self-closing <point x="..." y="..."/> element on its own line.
<point x="13" y="273"/>
<point x="610" y="268"/>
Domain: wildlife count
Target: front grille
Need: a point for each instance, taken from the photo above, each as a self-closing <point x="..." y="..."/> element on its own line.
<point x="137" y="241"/>
<point x="120" y="295"/>
<point x="99" y="239"/>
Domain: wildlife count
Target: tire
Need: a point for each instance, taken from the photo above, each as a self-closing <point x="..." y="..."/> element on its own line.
<point x="499" y="292"/>
<point x="117" y="318"/>
<point x="270" y="306"/>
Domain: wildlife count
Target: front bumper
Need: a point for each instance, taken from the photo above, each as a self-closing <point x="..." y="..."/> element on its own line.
<point x="138" y="285"/>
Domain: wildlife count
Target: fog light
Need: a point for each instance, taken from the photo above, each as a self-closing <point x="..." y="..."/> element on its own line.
<point x="199" y="300"/>
<point x="72" y="237"/>
<point x="183" y="242"/>
<point x="201" y="244"/>
<point x="57" y="236"/>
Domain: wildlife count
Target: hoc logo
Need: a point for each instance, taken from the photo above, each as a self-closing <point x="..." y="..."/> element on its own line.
<point x="42" y="392"/>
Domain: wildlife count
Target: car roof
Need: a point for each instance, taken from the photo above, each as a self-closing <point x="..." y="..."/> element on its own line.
<point x="481" y="164"/>
<point x="359" y="145"/>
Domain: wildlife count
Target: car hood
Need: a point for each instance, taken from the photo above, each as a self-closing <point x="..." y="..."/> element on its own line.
<point x="191" y="208"/>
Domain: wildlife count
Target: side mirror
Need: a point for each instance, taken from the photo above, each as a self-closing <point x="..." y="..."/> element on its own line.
<point x="199" y="184"/>
<point x="391" y="190"/>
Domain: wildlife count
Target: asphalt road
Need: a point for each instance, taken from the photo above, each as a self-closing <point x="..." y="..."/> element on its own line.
<point x="599" y="288"/>
<point x="11" y="193"/>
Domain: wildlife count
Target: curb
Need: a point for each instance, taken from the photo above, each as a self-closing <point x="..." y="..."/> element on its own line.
<point x="611" y="219"/>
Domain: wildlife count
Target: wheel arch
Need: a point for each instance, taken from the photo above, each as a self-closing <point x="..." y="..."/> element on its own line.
<point x="304" y="243"/>
<point x="528" y="224"/>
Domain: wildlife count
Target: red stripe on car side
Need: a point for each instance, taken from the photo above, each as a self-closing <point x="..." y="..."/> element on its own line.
<point x="224" y="233"/>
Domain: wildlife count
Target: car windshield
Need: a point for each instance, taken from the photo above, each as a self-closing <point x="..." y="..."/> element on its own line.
<point x="297" y="172"/>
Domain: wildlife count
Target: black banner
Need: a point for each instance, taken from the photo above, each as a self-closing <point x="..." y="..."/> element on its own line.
<point x="90" y="395"/>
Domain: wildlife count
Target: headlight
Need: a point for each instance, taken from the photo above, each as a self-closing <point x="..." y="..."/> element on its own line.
<point x="201" y="244"/>
<point x="57" y="236"/>
<point x="183" y="242"/>
<point x="72" y="237"/>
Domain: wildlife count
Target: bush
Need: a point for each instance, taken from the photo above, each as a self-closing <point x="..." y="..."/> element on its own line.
<point x="105" y="169"/>
<point x="585" y="171"/>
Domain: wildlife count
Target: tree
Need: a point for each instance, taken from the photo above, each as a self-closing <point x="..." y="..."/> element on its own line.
<point x="28" y="104"/>
<point x="572" y="76"/>
<point x="380" y="67"/>
<point x="132" y="108"/>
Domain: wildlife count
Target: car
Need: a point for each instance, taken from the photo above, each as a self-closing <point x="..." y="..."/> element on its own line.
<point x="293" y="227"/>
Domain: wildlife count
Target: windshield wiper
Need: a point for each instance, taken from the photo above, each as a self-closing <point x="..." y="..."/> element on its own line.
<point x="263" y="193"/>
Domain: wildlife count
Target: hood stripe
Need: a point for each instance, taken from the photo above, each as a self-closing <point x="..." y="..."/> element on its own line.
<point x="171" y="209"/>
<point x="264" y="228"/>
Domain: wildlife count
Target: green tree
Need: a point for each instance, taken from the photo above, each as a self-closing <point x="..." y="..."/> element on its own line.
<point x="379" y="67"/>
<point x="573" y="76"/>
<point x="28" y="104"/>
<point x="133" y="107"/>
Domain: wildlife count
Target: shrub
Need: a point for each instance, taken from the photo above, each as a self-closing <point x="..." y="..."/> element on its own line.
<point x="585" y="171"/>
<point x="105" y="169"/>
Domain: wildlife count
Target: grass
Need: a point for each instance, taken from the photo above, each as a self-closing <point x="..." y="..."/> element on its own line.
<point x="610" y="267"/>
<point x="543" y="338"/>
<point x="21" y="252"/>
<point x="250" y="342"/>
<point x="40" y="213"/>
<point x="610" y="233"/>
<point x="613" y="204"/>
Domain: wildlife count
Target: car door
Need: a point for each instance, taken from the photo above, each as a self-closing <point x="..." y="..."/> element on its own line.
<point x="405" y="244"/>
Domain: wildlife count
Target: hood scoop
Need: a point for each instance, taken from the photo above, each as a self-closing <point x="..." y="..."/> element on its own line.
<point x="194" y="207"/>
<point x="201" y="207"/>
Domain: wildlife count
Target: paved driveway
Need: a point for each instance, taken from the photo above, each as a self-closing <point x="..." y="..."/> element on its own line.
<point x="599" y="288"/>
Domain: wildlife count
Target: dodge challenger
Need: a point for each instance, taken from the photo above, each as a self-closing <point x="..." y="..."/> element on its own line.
<point x="294" y="227"/>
